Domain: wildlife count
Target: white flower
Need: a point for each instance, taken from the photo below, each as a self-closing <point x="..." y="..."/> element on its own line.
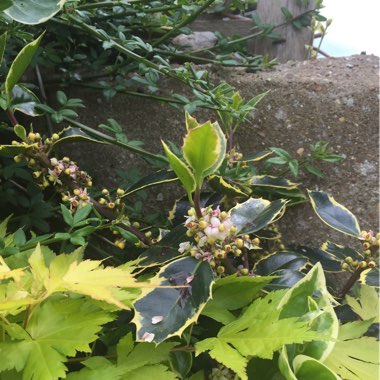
<point x="183" y="247"/>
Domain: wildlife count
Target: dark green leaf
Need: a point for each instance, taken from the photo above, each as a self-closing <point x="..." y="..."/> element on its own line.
<point x="67" y="216"/>
<point x="20" y="132"/>
<point x="255" y="214"/>
<point x="81" y="214"/>
<point x="20" y="64"/>
<point x="157" y="178"/>
<point x="24" y="100"/>
<point x="177" y="307"/>
<point x="278" y="261"/>
<point x="334" y="214"/>
<point x="166" y="249"/>
<point x="270" y="181"/>
<point x="221" y="185"/>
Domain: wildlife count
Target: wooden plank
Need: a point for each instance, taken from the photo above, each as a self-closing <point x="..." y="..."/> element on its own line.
<point x="292" y="47"/>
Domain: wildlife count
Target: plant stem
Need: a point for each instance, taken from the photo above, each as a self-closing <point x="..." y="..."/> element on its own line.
<point x="11" y="117"/>
<point x="351" y="282"/>
<point x="197" y="202"/>
<point x="185" y="22"/>
<point x="113" y="141"/>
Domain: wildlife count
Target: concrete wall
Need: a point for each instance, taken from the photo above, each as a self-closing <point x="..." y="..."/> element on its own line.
<point x="334" y="100"/>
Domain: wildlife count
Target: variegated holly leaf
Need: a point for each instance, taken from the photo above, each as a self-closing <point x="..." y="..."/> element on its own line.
<point x="165" y="312"/>
<point x="270" y="181"/>
<point x="255" y="214"/>
<point x="333" y="213"/>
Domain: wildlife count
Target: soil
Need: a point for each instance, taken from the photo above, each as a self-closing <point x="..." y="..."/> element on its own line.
<point x="334" y="100"/>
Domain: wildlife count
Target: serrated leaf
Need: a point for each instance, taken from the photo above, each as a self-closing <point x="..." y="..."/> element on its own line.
<point x="296" y="303"/>
<point x="367" y="305"/>
<point x="33" y="12"/>
<point x="56" y="329"/>
<point x="333" y="213"/>
<point x="355" y="358"/>
<point x="231" y="293"/>
<point x="67" y="216"/>
<point x="255" y="214"/>
<point x="191" y="122"/>
<point x="81" y="214"/>
<point x="258" y="332"/>
<point x="256" y="156"/>
<point x="181" y="170"/>
<point x="20" y="64"/>
<point x="88" y="277"/>
<point x="180" y="306"/>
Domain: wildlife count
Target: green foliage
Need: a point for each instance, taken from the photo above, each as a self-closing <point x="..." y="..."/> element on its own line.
<point x="202" y="285"/>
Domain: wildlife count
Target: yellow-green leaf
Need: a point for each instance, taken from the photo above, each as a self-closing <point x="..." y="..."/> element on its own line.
<point x="183" y="172"/>
<point x="367" y="305"/>
<point x="20" y="64"/>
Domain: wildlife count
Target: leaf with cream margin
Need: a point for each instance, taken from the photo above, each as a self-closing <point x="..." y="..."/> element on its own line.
<point x="183" y="172"/>
<point x="255" y="214"/>
<point x="310" y="300"/>
<point x="333" y="213"/>
<point x="204" y="150"/>
<point x="167" y="311"/>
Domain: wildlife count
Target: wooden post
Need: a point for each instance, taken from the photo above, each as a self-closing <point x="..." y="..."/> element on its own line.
<point x="292" y="47"/>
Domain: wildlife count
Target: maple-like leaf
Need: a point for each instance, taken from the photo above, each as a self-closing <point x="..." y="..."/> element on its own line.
<point x="56" y="329"/>
<point x="88" y="277"/>
<point x="134" y="362"/>
<point x="367" y="305"/>
<point x="258" y="332"/>
<point x="355" y="357"/>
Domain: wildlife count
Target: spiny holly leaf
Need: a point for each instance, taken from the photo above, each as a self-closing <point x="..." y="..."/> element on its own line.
<point x="258" y="332"/>
<point x="333" y="213"/>
<point x="231" y="293"/>
<point x="88" y="277"/>
<point x="255" y="214"/>
<point x="310" y="300"/>
<point x="367" y="305"/>
<point x="178" y="306"/>
<point x="355" y="357"/>
<point x="58" y="328"/>
<point x="33" y="12"/>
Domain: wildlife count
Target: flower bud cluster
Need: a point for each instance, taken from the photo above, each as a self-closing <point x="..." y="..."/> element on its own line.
<point x="79" y="197"/>
<point x="109" y="201"/>
<point x="233" y="157"/>
<point x="215" y="238"/>
<point x="370" y="253"/>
